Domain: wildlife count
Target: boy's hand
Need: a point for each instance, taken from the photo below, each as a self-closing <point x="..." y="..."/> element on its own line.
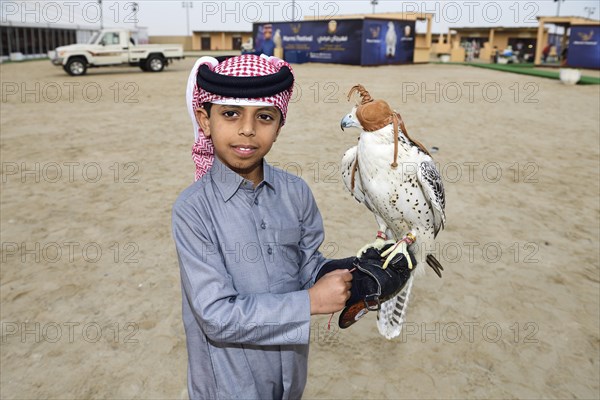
<point x="331" y="292"/>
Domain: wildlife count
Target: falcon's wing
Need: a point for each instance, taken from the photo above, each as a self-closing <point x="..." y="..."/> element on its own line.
<point x="393" y="311"/>
<point x="433" y="188"/>
<point x="348" y="164"/>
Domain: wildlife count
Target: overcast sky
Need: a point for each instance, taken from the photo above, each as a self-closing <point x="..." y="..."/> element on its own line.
<point x="169" y="17"/>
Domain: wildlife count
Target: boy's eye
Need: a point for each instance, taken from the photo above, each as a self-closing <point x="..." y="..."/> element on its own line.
<point x="266" y="117"/>
<point x="229" y="113"/>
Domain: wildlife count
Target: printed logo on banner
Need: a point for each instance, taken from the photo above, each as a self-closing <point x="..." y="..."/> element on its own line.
<point x="375" y="30"/>
<point x="586" y="37"/>
<point x="332" y="27"/>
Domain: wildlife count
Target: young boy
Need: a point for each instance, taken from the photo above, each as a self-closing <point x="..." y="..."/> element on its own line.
<point x="247" y="237"/>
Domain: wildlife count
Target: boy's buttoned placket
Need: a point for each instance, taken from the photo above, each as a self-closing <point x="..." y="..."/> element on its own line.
<point x="264" y="231"/>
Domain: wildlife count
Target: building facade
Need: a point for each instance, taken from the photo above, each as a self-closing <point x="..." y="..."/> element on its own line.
<point x="34" y="41"/>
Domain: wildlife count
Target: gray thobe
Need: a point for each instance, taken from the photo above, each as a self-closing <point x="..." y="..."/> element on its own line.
<point x="247" y="256"/>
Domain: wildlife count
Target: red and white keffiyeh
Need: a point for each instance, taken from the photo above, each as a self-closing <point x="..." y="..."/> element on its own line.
<point x="240" y="66"/>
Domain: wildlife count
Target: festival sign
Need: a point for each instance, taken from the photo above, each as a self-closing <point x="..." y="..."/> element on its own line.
<point x="344" y="41"/>
<point x="388" y="42"/>
<point x="337" y="41"/>
<point x="321" y="41"/>
<point x="584" y="47"/>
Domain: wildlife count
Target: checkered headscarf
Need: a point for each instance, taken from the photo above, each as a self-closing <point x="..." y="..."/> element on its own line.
<point x="246" y="65"/>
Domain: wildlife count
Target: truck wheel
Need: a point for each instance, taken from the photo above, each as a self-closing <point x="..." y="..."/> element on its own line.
<point x="155" y="63"/>
<point x="76" y="66"/>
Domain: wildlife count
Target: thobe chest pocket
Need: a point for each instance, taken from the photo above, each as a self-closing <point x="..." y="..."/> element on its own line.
<point x="288" y="248"/>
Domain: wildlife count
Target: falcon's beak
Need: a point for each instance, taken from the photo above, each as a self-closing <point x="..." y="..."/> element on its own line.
<point x="349" y="121"/>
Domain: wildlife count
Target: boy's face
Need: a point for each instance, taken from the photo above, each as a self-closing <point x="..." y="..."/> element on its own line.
<point x="241" y="135"/>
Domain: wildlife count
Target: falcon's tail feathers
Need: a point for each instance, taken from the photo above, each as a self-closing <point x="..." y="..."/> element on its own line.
<point x="435" y="265"/>
<point x="393" y="312"/>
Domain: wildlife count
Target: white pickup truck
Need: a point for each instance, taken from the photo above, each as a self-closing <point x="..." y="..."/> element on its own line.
<point x="110" y="47"/>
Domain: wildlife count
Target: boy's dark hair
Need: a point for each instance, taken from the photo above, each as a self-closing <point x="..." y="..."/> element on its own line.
<point x="208" y="106"/>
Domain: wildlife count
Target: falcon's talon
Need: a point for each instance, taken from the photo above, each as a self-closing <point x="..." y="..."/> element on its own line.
<point x="377" y="244"/>
<point x="400" y="248"/>
<point x="390" y="250"/>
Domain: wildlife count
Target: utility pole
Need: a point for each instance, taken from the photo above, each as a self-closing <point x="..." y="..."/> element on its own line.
<point x="374" y="3"/>
<point x="557" y="14"/>
<point x="564" y="32"/>
<point x="135" y="10"/>
<point x="187" y="5"/>
<point x="101" y="15"/>
<point x="558" y="7"/>
<point x="293" y="10"/>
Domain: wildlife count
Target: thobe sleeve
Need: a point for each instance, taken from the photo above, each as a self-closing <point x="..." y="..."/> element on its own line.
<point x="312" y="236"/>
<point x="223" y="314"/>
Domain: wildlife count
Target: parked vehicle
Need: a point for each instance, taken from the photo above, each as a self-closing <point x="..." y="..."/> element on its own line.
<point x="114" y="47"/>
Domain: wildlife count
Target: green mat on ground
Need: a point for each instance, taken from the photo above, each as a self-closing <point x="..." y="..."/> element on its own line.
<point x="528" y="69"/>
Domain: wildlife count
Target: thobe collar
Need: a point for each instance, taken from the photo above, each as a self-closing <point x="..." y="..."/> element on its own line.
<point x="228" y="181"/>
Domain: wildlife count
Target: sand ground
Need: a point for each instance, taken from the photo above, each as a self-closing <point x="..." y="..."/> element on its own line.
<point x="89" y="285"/>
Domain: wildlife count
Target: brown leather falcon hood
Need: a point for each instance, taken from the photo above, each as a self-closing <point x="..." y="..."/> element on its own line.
<point x="376" y="114"/>
<point x="372" y="114"/>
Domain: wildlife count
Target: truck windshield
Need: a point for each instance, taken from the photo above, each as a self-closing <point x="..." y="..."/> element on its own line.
<point x="94" y="38"/>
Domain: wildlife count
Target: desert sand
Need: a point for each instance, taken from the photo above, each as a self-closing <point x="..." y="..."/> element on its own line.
<point x="90" y="289"/>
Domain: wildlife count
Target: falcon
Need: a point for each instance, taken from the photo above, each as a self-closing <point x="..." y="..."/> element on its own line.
<point x="395" y="177"/>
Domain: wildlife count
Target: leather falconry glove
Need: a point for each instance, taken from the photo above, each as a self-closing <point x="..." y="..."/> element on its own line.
<point x="371" y="284"/>
<point x="375" y="285"/>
